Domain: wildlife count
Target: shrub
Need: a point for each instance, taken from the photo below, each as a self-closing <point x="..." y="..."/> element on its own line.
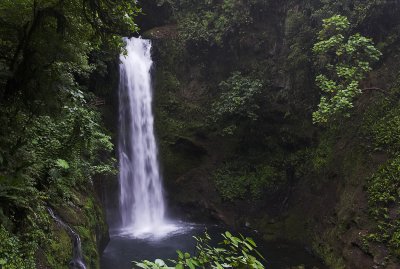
<point x="14" y="253"/>
<point x="236" y="181"/>
<point x="237" y="103"/>
<point x="384" y="202"/>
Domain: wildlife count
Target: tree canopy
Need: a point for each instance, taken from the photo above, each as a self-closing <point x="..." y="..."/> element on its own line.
<point x="52" y="139"/>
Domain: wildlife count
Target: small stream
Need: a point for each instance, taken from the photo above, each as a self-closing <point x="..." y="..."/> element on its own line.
<point x="77" y="258"/>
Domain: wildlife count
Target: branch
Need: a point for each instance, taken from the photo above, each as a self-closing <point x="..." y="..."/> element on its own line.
<point x="383" y="91"/>
<point x="19" y="59"/>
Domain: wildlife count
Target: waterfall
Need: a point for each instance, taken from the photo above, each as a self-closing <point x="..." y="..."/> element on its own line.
<point x="77" y="259"/>
<point x="141" y="201"/>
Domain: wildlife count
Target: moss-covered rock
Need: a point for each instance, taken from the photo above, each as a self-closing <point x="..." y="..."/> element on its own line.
<point x="86" y="217"/>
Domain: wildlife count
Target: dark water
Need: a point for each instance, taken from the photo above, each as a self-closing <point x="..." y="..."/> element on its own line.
<point x="121" y="251"/>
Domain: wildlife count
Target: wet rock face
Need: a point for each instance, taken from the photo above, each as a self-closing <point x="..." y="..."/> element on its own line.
<point x="313" y="206"/>
<point x="154" y="15"/>
<point x="76" y="265"/>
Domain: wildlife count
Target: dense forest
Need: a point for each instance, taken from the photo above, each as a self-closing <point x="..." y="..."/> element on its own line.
<point x="53" y="57"/>
<point x="279" y="116"/>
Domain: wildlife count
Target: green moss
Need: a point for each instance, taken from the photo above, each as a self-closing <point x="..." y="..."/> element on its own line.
<point x="291" y="227"/>
<point x="93" y="223"/>
<point x="89" y="247"/>
<point x="169" y="82"/>
<point x="322" y="155"/>
<point x="84" y="215"/>
<point x="314" y="159"/>
<point x="58" y="251"/>
<point x="295" y="226"/>
<point x="328" y="255"/>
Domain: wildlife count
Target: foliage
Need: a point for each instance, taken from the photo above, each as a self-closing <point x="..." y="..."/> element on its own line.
<point x="211" y="22"/>
<point x="384" y="203"/>
<point x="346" y="60"/>
<point x="237" y="103"/>
<point x="312" y="165"/>
<point x="233" y="252"/>
<point x="41" y="142"/>
<point x="358" y="11"/>
<point x="328" y="255"/>
<point x="236" y="181"/>
<point x="316" y="158"/>
<point x="14" y="253"/>
<point x="51" y="157"/>
<point x="299" y="35"/>
<point x="58" y="250"/>
<point x="18" y="250"/>
<point x="381" y="127"/>
<point x="386" y="130"/>
<point x="52" y="141"/>
<point x="56" y="38"/>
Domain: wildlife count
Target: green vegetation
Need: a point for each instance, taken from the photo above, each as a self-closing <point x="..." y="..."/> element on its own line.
<point x="236" y="87"/>
<point x="210" y="22"/>
<point x="383" y="198"/>
<point x="237" y="103"/>
<point x="235" y="181"/>
<point x="232" y="252"/>
<point x="382" y="126"/>
<point x="346" y="60"/>
<point x="14" y="253"/>
<point x="52" y="140"/>
<point x="258" y="78"/>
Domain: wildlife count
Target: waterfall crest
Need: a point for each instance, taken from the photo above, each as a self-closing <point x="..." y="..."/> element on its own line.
<point x="141" y="201"/>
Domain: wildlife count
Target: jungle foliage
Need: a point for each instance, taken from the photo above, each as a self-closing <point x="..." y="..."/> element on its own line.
<point x="237" y="103"/>
<point x="259" y="66"/>
<point x="346" y="61"/>
<point x="210" y="23"/>
<point x="52" y="139"/>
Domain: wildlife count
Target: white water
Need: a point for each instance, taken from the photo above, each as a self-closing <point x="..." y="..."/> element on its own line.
<point x="142" y="205"/>
<point x="77" y="259"/>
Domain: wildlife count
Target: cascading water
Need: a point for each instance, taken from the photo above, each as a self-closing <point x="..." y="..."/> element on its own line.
<point x="77" y="259"/>
<point x="142" y="206"/>
<point x="143" y="229"/>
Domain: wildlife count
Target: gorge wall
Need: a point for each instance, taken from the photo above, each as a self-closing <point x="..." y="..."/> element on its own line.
<point x="268" y="167"/>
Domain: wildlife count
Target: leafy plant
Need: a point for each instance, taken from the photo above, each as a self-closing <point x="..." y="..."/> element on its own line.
<point x="52" y="140"/>
<point x="237" y="103"/>
<point x="385" y="130"/>
<point x="14" y="252"/>
<point x="346" y="60"/>
<point x="383" y="198"/>
<point x="232" y="252"/>
<point x="211" y="22"/>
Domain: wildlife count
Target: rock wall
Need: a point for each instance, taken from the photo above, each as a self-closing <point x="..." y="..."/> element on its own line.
<point x="322" y="198"/>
